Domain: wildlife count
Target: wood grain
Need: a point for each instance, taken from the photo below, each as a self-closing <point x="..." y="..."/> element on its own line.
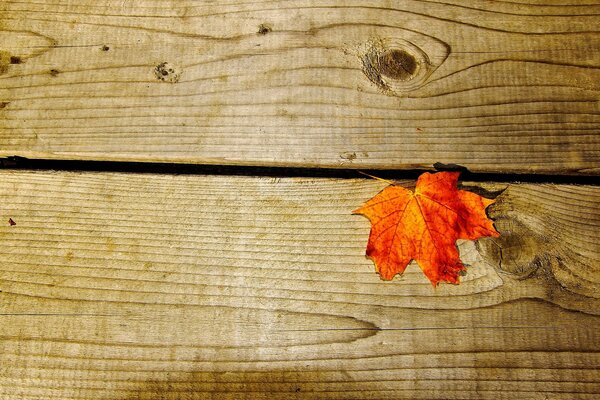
<point x="142" y="286"/>
<point x="492" y="85"/>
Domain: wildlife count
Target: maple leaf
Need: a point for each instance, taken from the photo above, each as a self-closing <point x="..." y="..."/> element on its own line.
<point x="424" y="225"/>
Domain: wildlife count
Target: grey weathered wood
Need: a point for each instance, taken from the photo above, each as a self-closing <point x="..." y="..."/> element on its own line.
<point x="124" y="286"/>
<point x="495" y="86"/>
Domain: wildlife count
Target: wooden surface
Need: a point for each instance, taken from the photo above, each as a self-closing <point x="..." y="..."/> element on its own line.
<point x="492" y="85"/>
<point x="119" y="286"/>
<point x="141" y="286"/>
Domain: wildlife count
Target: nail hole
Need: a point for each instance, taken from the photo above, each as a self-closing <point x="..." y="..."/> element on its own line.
<point x="167" y="72"/>
<point x="263" y="29"/>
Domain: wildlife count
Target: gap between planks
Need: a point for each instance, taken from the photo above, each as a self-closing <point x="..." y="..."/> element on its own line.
<point x="23" y="163"/>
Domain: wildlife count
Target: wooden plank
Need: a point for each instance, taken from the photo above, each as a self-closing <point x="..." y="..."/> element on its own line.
<point x="140" y="286"/>
<point x="500" y="86"/>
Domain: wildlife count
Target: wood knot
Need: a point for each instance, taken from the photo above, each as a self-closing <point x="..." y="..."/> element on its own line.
<point x="518" y="250"/>
<point x="395" y="65"/>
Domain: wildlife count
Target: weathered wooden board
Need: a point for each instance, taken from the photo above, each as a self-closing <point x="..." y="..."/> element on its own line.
<point x="494" y="86"/>
<point x="125" y="286"/>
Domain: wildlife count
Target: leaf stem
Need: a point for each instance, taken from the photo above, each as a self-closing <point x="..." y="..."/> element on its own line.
<point x="377" y="178"/>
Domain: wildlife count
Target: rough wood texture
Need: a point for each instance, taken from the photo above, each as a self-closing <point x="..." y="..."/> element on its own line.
<point x="492" y="85"/>
<point x="122" y="287"/>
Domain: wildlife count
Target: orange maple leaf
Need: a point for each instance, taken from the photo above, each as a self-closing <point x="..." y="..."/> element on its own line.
<point x="424" y="225"/>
